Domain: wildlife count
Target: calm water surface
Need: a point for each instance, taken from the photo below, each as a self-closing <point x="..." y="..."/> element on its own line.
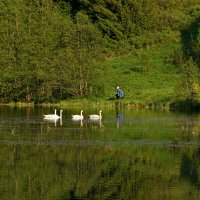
<point x="130" y="154"/>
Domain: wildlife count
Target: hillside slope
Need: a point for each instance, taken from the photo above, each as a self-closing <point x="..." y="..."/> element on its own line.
<point x="146" y="76"/>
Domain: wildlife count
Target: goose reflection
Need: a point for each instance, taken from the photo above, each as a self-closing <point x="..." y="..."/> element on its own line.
<point x="96" y="123"/>
<point x="55" y="121"/>
<point x="78" y="121"/>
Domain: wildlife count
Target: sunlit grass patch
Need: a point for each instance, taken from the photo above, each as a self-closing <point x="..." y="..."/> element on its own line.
<point x="145" y="76"/>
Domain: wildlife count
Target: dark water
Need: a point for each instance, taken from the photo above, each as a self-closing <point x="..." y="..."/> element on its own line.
<point x="130" y="154"/>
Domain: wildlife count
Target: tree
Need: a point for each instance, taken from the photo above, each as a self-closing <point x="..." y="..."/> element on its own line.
<point x="31" y="44"/>
<point x="189" y="87"/>
<point x="120" y="21"/>
<point x="190" y="38"/>
<point x="85" y="43"/>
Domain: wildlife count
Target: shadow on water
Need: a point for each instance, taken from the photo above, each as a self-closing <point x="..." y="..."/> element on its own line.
<point x="190" y="167"/>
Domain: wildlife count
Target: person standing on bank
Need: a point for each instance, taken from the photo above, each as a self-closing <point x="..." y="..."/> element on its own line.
<point x="119" y="93"/>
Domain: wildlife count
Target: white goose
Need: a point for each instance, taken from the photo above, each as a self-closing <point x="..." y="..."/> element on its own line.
<point x="96" y="116"/>
<point x="50" y="115"/>
<point x="78" y="117"/>
<point x="53" y="116"/>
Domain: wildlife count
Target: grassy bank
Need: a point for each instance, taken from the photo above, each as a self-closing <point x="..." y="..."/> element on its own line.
<point x="147" y="78"/>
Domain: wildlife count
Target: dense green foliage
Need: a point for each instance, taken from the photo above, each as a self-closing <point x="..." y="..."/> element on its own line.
<point x="45" y="54"/>
<point x="54" y="50"/>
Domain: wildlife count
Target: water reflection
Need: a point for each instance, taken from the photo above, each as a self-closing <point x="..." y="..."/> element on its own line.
<point x="96" y="124"/>
<point x="190" y="166"/>
<point x="55" y="121"/>
<point x="78" y="121"/>
<point x="97" y="172"/>
<point x="119" y="118"/>
<point x="154" y="156"/>
<point x="190" y="127"/>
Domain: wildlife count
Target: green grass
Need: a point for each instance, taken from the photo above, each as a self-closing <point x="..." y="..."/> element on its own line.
<point x="146" y="76"/>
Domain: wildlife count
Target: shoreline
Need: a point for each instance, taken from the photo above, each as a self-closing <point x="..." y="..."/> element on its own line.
<point x="112" y="103"/>
<point x="97" y="103"/>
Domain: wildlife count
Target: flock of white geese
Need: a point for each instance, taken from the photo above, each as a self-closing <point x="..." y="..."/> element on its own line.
<point x="74" y="117"/>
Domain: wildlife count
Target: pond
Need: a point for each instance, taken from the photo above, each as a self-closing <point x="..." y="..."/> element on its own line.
<point x="129" y="154"/>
